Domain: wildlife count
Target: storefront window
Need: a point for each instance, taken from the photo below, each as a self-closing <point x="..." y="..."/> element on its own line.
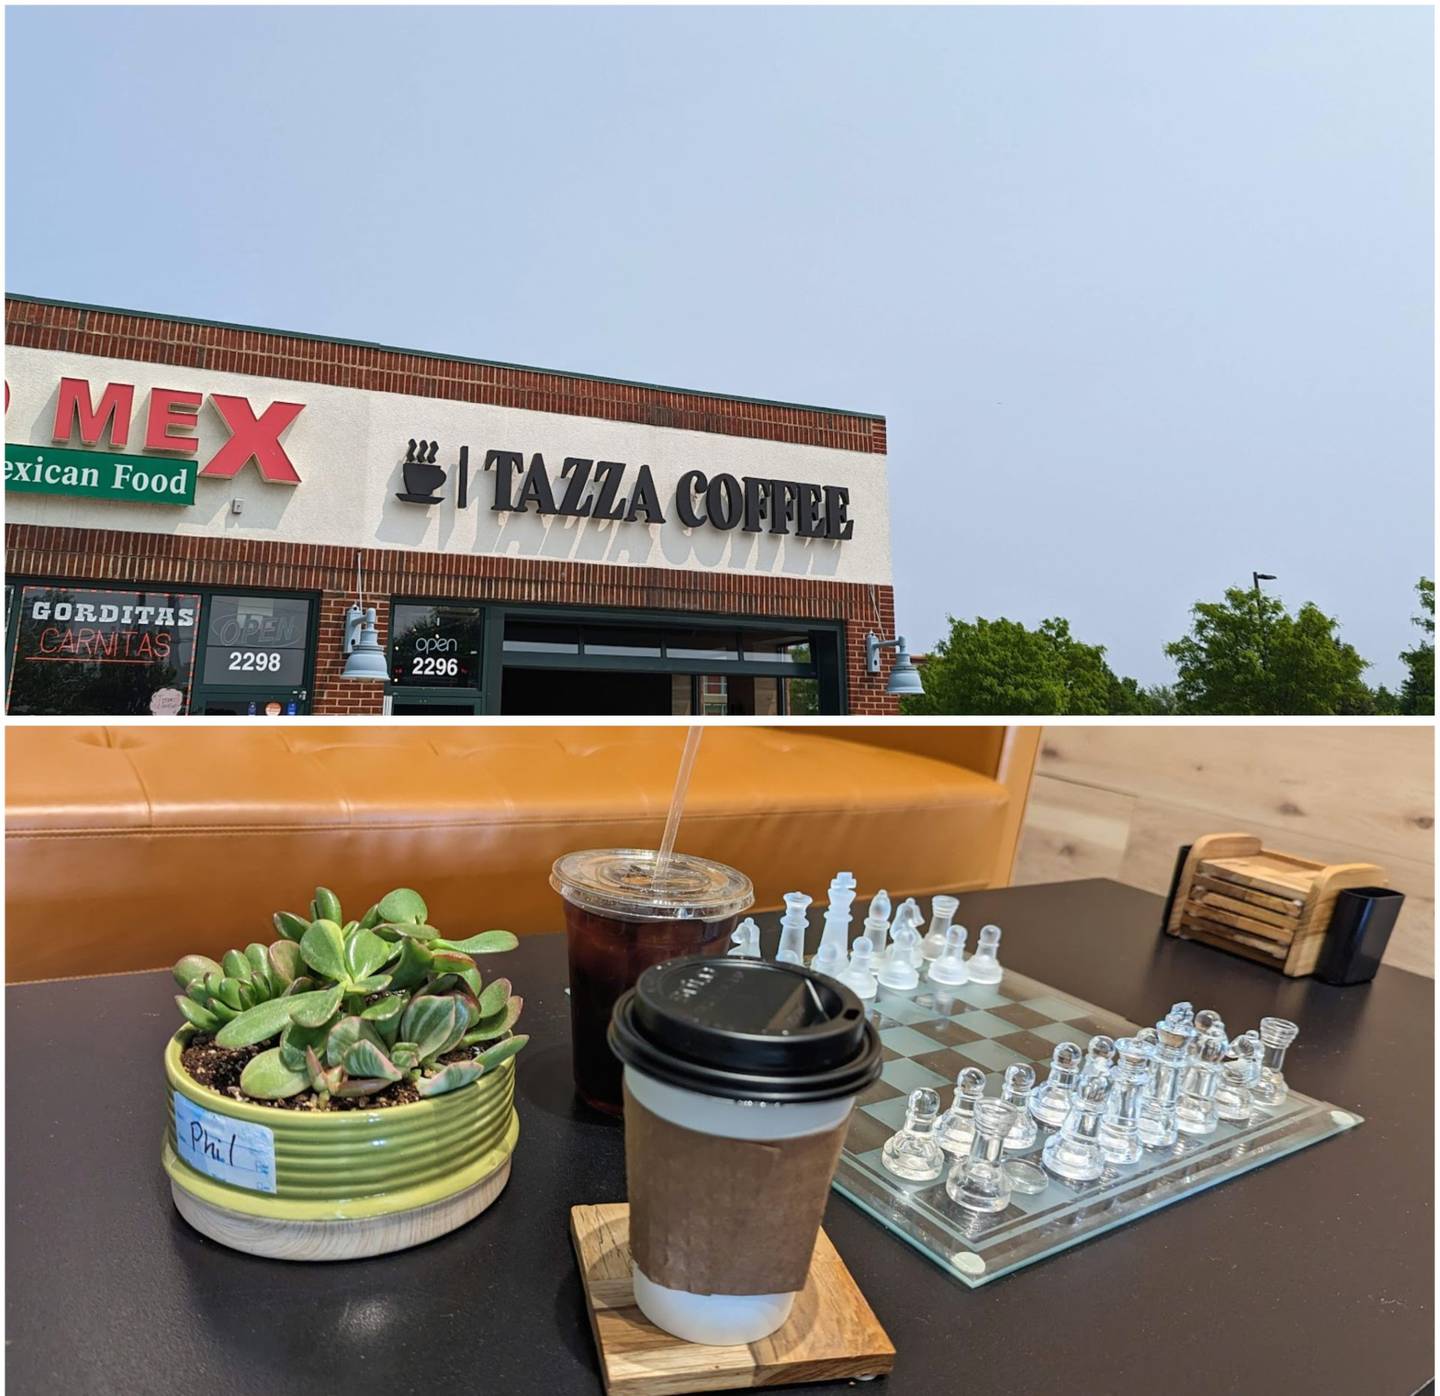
<point x="540" y="637"/>
<point x="82" y="651"/>
<point x="256" y="641"/>
<point x="435" y="646"/>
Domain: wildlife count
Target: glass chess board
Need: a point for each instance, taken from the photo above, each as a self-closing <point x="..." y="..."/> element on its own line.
<point x="929" y="1037"/>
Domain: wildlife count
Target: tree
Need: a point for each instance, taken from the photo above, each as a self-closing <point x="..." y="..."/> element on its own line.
<point x="1000" y="667"/>
<point x="1248" y="656"/>
<point x="1417" y="693"/>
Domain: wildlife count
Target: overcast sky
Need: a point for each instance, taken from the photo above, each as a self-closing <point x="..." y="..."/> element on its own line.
<point x="1146" y="295"/>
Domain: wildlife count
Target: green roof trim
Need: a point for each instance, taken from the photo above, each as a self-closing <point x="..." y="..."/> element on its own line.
<point x="432" y="354"/>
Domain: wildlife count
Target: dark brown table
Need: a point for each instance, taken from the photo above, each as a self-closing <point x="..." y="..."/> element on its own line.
<point x="1311" y="1275"/>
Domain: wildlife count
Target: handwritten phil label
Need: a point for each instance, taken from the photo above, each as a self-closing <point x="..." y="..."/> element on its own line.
<point x="230" y="1151"/>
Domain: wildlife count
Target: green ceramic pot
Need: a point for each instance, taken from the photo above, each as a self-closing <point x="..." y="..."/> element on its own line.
<point x="430" y="1165"/>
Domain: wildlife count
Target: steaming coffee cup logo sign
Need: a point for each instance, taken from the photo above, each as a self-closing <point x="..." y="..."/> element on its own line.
<point x="422" y="476"/>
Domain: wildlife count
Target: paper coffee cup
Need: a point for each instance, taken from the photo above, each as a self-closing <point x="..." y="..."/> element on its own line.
<point x="739" y="1076"/>
<point x="623" y="913"/>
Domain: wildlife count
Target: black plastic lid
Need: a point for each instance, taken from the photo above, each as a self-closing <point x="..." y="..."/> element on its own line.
<point x="746" y="1030"/>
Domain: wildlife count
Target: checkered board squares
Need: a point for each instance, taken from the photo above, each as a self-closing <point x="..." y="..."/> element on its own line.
<point x="929" y="1037"/>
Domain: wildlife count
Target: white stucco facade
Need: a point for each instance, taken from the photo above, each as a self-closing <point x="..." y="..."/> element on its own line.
<point x="348" y="445"/>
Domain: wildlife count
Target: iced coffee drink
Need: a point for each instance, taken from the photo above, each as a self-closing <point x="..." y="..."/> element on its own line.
<point x="622" y="915"/>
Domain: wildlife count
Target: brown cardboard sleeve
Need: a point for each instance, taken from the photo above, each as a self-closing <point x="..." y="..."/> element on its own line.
<point x="724" y="1216"/>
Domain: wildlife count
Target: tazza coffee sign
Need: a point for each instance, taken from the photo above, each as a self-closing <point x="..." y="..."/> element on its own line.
<point x="585" y="488"/>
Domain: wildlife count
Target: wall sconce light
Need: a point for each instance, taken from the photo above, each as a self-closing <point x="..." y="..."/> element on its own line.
<point x="904" y="676"/>
<point x="364" y="657"/>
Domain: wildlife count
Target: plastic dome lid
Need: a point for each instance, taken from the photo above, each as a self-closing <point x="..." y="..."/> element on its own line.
<point x="626" y="883"/>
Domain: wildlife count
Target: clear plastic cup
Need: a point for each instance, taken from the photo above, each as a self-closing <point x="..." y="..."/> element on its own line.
<point x="621" y="918"/>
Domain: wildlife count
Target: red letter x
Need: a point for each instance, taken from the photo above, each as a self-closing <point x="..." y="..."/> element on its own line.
<point x="254" y="436"/>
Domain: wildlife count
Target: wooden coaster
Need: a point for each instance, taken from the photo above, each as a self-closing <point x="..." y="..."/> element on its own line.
<point x="831" y="1333"/>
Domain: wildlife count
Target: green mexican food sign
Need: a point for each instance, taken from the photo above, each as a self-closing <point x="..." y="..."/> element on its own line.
<point x="99" y="475"/>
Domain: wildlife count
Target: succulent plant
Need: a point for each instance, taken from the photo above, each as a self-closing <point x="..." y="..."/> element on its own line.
<point x="354" y="1007"/>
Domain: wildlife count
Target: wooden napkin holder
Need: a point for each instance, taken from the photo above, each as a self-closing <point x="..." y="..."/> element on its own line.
<point x="1232" y="893"/>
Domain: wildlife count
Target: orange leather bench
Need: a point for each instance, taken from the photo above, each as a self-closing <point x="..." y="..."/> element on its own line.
<point x="127" y="847"/>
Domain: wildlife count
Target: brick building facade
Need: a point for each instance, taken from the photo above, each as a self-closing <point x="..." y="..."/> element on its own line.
<point x="800" y="605"/>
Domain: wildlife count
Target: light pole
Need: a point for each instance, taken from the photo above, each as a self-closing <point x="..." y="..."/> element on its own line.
<point x="1255" y="579"/>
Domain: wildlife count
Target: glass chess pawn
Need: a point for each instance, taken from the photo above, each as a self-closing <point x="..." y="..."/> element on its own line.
<point x="978" y="1181"/>
<point x="957" y="1124"/>
<point x="1074" y="1154"/>
<point x="1099" y="1056"/>
<point x="1119" y="1132"/>
<point x="1234" y="1101"/>
<point x="1050" y="1102"/>
<point x="1023" y="1174"/>
<point x="912" y="1152"/>
<point x="1270" y="1090"/>
<point x="984" y="965"/>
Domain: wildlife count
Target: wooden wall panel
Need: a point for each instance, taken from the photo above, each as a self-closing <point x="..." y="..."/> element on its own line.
<point x="1119" y="801"/>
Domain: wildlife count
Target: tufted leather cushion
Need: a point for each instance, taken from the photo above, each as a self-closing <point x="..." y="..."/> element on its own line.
<point x="129" y="846"/>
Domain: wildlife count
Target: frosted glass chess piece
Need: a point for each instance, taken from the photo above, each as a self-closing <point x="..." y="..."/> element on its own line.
<point x="957" y="1124"/>
<point x="745" y="940"/>
<point x="1276" y="1035"/>
<point x="1050" y="1103"/>
<point x="877" y="922"/>
<point x="1119" y="1132"/>
<point x="978" y="1182"/>
<point x="912" y="1153"/>
<point x="949" y="967"/>
<point x="791" y="950"/>
<point x="907" y="914"/>
<point x="1074" y="1154"/>
<point x="859" y="974"/>
<point x="1159" y="1128"/>
<point x="1234" y="1102"/>
<point x="917" y="921"/>
<point x="897" y="970"/>
<point x="984" y="964"/>
<point x="942" y="913"/>
<point x="1195" y="1110"/>
<point x="831" y="956"/>
<point x="1099" y="1057"/>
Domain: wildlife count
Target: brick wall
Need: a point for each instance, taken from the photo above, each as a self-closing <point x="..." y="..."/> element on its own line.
<point x="105" y="555"/>
<point x="279" y="354"/>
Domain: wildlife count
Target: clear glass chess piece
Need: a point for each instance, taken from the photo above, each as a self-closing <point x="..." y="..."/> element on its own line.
<point x="745" y="939"/>
<point x="1234" y="1101"/>
<point x="1158" y="1127"/>
<point x="1050" y="1103"/>
<point x="1149" y="1036"/>
<point x="896" y="970"/>
<point x="984" y="964"/>
<point x="877" y="923"/>
<point x="1074" y="1154"/>
<point x="957" y="1124"/>
<point x="1184" y="1011"/>
<point x="949" y="966"/>
<point x="978" y="1182"/>
<point x="1024" y="1175"/>
<point x="1276" y="1035"/>
<point x="912" y="1153"/>
<point x="1208" y="1020"/>
<point x="1015" y="1090"/>
<point x="1119" y="1132"/>
<point x="1099" y="1056"/>
<point x="1195" y="1110"/>
<point x="942" y="913"/>
<point x="859" y="974"/>
<point x="791" y="950"/>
